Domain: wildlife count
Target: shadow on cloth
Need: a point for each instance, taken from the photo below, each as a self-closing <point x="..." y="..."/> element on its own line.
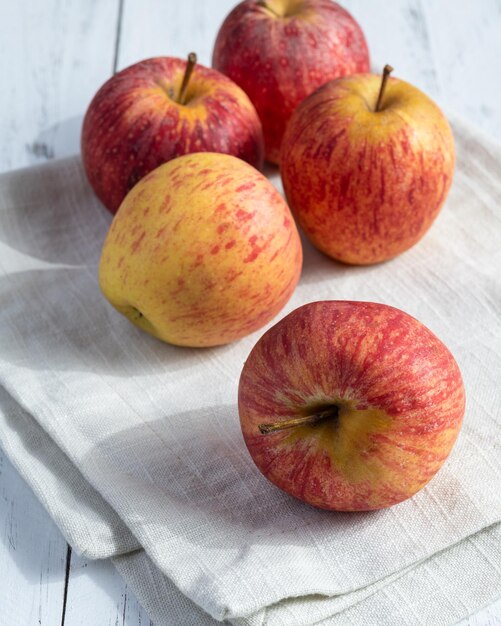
<point x="71" y="225"/>
<point x="61" y="322"/>
<point x="189" y="477"/>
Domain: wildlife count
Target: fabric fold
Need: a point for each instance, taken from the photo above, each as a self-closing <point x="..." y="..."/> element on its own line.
<point x="133" y="443"/>
<point x="440" y="590"/>
<point x="87" y="522"/>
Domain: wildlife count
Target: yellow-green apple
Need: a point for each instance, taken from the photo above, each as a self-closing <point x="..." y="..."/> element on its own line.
<point x="159" y="109"/>
<point x="366" y="170"/>
<point x="202" y="251"/>
<point x="280" y="51"/>
<point x="350" y="406"/>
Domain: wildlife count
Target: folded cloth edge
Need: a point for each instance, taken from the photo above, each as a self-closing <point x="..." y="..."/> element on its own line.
<point x="85" y="516"/>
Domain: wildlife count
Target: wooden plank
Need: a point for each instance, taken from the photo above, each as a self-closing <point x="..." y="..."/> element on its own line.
<point x="32" y="556"/>
<point x="397" y="33"/>
<point x="466" y="42"/>
<point x="152" y="28"/>
<point x="97" y="596"/>
<point x="53" y="57"/>
<point x="488" y="616"/>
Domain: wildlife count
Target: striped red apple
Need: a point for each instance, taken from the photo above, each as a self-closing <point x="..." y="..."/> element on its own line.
<point x="350" y="406"/>
<point x="159" y="109"/>
<point x="366" y="169"/>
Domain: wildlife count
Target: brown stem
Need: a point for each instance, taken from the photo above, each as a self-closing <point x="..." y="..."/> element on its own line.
<point x="384" y="79"/>
<point x="192" y="59"/>
<point x="262" y="3"/>
<point x="265" y="429"/>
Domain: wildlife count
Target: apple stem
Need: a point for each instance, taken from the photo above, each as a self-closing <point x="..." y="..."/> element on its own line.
<point x="192" y="59"/>
<point x="265" y="429"/>
<point x="387" y="70"/>
<point x="262" y="3"/>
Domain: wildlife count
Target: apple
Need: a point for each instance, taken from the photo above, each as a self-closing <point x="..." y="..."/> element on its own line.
<point x="366" y="169"/>
<point x="350" y="406"/>
<point x="280" y="51"/>
<point x="159" y="109"/>
<point x="202" y="251"/>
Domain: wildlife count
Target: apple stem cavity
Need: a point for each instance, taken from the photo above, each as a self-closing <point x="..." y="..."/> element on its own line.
<point x="387" y="70"/>
<point x="262" y="3"/>
<point x="330" y="413"/>
<point x="192" y="60"/>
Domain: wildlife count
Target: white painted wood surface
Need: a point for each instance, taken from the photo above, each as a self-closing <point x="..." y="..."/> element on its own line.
<point x="97" y="596"/>
<point x="32" y="556"/>
<point x="53" y="57"/>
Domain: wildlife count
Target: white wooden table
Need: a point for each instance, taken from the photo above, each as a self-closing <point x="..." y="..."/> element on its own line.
<point x="53" y="57"/>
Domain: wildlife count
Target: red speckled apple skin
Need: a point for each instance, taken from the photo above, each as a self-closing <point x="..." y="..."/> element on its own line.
<point x="365" y="186"/>
<point x="203" y="251"/>
<point x="278" y="61"/>
<point x="398" y="388"/>
<point x="134" y="124"/>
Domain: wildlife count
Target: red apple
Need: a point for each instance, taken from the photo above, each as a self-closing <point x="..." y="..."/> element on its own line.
<point x="280" y="51"/>
<point x="154" y="111"/>
<point x="366" y="170"/>
<point x="350" y="406"/>
<point x="202" y="251"/>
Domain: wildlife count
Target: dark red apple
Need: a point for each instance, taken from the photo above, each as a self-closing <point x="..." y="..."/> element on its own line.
<point x="159" y="109"/>
<point x="280" y="51"/>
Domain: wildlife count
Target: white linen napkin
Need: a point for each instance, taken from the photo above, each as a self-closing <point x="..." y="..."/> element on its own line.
<point x="130" y="442"/>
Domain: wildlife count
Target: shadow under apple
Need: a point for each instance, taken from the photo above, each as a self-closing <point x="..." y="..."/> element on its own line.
<point x="63" y="324"/>
<point x="187" y="482"/>
<point x="192" y="470"/>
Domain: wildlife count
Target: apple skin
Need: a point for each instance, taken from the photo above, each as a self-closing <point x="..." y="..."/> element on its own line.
<point x="397" y="389"/>
<point x="365" y="186"/>
<point x="282" y="55"/>
<point x="201" y="252"/>
<point x="134" y="124"/>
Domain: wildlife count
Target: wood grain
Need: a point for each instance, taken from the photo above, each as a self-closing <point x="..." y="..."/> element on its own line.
<point x="466" y="47"/>
<point x="32" y="556"/>
<point x="53" y="57"/>
<point x="398" y="34"/>
<point x="152" y="28"/>
<point x="97" y="596"/>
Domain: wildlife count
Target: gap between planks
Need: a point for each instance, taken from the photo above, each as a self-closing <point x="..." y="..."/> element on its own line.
<point x="118" y="34"/>
<point x="66" y="583"/>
